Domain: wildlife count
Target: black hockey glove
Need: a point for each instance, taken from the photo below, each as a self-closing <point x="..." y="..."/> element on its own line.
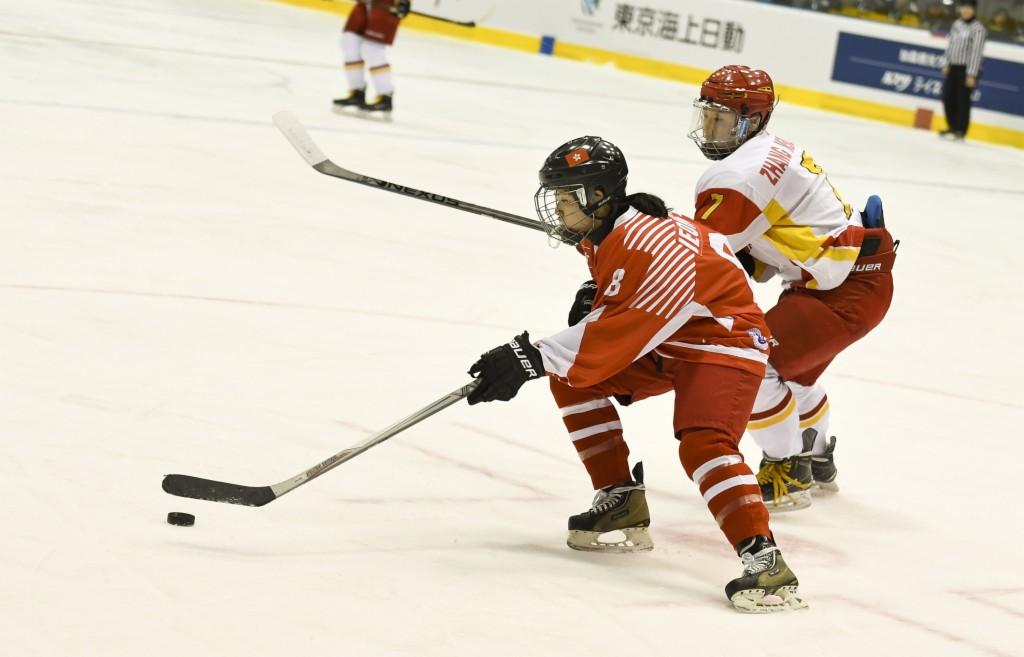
<point x="747" y="260"/>
<point x="584" y="302"/>
<point x="401" y="9"/>
<point x="502" y="371"/>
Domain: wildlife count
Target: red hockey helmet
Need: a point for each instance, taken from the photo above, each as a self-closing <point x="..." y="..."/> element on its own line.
<point x="743" y="91"/>
<point x="746" y="90"/>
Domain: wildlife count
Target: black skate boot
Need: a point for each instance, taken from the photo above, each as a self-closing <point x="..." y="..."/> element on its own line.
<point x="380" y="104"/>
<point x="620" y="509"/>
<point x="356" y="98"/>
<point x="823" y="469"/>
<point x="767" y="584"/>
<point x="785" y="483"/>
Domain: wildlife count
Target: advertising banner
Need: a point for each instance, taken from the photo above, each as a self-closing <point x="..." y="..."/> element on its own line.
<point x="906" y="68"/>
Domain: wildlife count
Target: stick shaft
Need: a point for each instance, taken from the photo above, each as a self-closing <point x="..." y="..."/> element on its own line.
<point x="228" y="493"/>
<point x="376" y="439"/>
<point x="311" y="153"/>
<point x="442" y="19"/>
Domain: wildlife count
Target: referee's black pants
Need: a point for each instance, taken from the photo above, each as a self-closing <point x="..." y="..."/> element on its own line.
<point x="956" y="97"/>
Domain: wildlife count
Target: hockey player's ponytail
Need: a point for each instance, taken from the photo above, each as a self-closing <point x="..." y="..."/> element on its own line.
<point x="648" y="204"/>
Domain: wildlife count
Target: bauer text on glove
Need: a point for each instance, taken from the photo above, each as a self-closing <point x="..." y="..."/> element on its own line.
<point x="504" y="369"/>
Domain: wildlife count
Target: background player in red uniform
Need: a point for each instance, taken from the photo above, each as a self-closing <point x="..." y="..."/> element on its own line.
<point x="784" y="217"/>
<point x="369" y="30"/>
<point x="673" y="311"/>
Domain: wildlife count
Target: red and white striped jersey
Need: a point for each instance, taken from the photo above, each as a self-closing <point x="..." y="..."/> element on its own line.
<point x="770" y="195"/>
<point x="666" y="285"/>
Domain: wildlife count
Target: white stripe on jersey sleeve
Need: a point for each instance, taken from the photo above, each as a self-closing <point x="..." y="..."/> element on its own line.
<point x="662" y="244"/>
<point x="679" y="287"/>
<point x="637" y="229"/>
<point x="656" y="233"/>
<point x="628" y="217"/>
<point x="661" y="269"/>
<point x="669" y="281"/>
<point x="685" y="296"/>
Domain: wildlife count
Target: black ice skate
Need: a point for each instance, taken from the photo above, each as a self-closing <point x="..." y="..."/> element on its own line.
<point x="786" y="483"/>
<point x="380" y="104"/>
<point x="355" y="98"/>
<point x="823" y="469"/>
<point x="617" y="521"/>
<point x="767" y="584"/>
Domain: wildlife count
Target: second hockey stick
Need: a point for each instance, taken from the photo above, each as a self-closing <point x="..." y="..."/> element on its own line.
<point x="443" y="20"/>
<point x="221" y="491"/>
<point x="307" y="148"/>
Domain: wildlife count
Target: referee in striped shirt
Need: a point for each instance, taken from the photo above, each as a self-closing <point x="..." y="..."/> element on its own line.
<point x="962" y="68"/>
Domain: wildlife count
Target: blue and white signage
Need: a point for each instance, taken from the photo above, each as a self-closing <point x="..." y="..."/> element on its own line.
<point x="917" y="70"/>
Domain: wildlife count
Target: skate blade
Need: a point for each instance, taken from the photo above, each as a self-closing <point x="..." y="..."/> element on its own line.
<point x="355" y="112"/>
<point x="376" y="115"/>
<point x="824" y="487"/>
<point x="632" y="539"/>
<point x="755" y="601"/>
<point x="791" y="502"/>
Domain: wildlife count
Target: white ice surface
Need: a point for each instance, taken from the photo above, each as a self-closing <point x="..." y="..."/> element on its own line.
<point x="180" y="292"/>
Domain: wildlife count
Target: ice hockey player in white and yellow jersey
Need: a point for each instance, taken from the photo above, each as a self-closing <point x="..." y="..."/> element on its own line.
<point x="784" y="217"/>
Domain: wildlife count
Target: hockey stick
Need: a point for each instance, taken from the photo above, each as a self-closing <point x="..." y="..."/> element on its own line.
<point x="443" y="20"/>
<point x="310" y="152"/>
<point x="221" y="491"/>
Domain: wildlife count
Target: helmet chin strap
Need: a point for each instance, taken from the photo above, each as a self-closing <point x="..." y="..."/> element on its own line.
<point x="592" y="209"/>
<point x="597" y="233"/>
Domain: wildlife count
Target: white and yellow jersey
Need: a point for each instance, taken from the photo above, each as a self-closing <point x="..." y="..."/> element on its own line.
<point x="771" y="196"/>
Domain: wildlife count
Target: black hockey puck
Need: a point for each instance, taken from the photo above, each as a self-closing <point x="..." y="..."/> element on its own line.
<point x="181" y="519"/>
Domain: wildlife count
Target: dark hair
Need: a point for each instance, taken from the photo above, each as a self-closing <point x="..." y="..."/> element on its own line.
<point x="648" y="204"/>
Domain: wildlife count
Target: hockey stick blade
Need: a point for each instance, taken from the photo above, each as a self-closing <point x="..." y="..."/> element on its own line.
<point x="217" y="491"/>
<point x="311" y="153"/>
<point x="299" y="138"/>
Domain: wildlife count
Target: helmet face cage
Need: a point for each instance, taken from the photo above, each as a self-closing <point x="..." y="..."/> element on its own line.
<point x="547" y="201"/>
<point x="716" y="129"/>
<point x="569" y="180"/>
<point x="744" y="91"/>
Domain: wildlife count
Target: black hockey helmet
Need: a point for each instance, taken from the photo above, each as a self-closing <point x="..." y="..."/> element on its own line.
<point x="580" y="166"/>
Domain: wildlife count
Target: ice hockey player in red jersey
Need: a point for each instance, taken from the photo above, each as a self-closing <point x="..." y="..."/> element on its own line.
<point x="783" y="217"/>
<point x="672" y="311"/>
<point x="371" y="27"/>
